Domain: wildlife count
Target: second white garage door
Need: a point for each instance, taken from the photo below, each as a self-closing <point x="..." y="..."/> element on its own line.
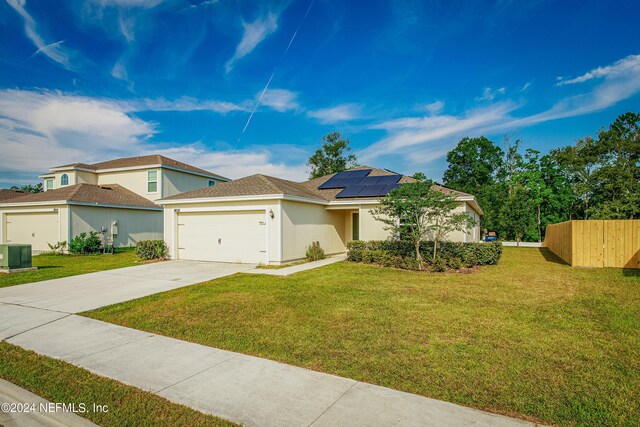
<point x="37" y="229"/>
<point x="238" y="236"/>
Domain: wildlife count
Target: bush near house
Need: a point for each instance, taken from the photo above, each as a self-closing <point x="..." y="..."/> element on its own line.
<point x="400" y="254"/>
<point x="151" y="249"/>
<point x="315" y="252"/>
<point x="85" y="244"/>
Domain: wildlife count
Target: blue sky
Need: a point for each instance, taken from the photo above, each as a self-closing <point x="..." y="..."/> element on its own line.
<point x="404" y="80"/>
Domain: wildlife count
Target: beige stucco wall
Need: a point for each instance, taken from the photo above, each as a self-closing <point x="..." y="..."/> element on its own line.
<point x="273" y="224"/>
<point x="370" y="228"/>
<point x="303" y="223"/>
<point x="174" y="182"/>
<point x="82" y="177"/>
<point x="133" y="224"/>
<point x="62" y="224"/>
<point x="134" y="180"/>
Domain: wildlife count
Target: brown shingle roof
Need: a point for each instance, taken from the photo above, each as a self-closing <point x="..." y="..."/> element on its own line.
<point x="125" y="162"/>
<point x="88" y="193"/>
<point x="10" y="194"/>
<point x="255" y="185"/>
<point x="252" y="185"/>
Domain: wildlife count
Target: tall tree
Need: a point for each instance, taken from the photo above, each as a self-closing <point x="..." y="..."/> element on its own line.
<point x="517" y="215"/>
<point x="617" y="190"/>
<point x="579" y="163"/>
<point x="334" y="156"/>
<point x="474" y="167"/>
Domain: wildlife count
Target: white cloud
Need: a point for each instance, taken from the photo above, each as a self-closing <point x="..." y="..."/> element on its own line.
<point x="280" y="100"/>
<point x="41" y="129"/>
<point x="489" y="94"/>
<point x="622" y="67"/>
<point x="339" y="113"/>
<point x="145" y="4"/>
<point x="427" y="138"/>
<point x="54" y="51"/>
<point x="253" y="34"/>
<point x="235" y="164"/>
<point x="409" y="133"/>
<point x="434" y="107"/>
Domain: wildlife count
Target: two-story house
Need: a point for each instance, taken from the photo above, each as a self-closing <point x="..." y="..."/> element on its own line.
<point x="114" y="198"/>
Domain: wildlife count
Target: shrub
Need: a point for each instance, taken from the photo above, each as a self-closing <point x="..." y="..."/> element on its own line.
<point x="315" y="252"/>
<point x="400" y="254"/>
<point x="151" y="249"/>
<point x="437" y="265"/>
<point x="85" y="244"/>
<point x="453" y="263"/>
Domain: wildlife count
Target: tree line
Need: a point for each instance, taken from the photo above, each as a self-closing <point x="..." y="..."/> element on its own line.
<point x="522" y="191"/>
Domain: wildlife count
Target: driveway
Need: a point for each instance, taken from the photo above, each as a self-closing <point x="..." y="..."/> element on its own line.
<point x="76" y="294"/>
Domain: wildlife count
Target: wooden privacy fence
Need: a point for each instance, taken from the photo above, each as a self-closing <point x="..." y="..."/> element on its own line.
<point x="596" y="243"/>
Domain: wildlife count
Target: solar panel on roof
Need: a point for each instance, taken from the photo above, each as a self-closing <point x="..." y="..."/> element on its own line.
<point x="330" y="183"/>
<point x="360" y="173"/>
<point x="389" y="179"/>
<point x="388" y="188"/>
<point x="353" y="181"/>
<point x="337" y="181"/>
<point x="369" y="180"/>
<point x="350" y="191"/>
<point x="371" y="191"/>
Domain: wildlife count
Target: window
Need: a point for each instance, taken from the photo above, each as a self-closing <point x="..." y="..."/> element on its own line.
<point x="211" y="183"/>
<point x="48" y="183"/>
<point x="355" y="226"/>
<point x="152" y="182"/>
<point x="64" y="179"/>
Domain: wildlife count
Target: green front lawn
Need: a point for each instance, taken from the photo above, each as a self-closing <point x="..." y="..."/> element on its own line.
<point x="56" y="266"/>
<point x="530" y="337"/>
<point x="61" y="382"/>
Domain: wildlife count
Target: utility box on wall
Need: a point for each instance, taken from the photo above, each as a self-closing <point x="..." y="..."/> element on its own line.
<point x="15" y="256"/>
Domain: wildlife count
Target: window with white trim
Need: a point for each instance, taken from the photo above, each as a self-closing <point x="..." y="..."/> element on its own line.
<point x="152" y="181"/>
<point x="64" y="180"/>
<point x="48" y="184"/>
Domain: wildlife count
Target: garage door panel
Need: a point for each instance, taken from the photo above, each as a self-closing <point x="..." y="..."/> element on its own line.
<point x="237" y="236"/>
<point x="36" y="229"/>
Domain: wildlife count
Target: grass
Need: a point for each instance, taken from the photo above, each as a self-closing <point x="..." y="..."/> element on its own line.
<point x="531" y="337"/>
<point x="52" y="266"/>
<point x="58" y="381"/>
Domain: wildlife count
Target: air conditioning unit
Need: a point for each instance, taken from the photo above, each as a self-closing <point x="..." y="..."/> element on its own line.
<point x="14" y="256"/>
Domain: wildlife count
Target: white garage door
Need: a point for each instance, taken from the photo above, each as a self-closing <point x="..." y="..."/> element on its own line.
<point x="36" y="229"/>
<point x="237" y="236"/>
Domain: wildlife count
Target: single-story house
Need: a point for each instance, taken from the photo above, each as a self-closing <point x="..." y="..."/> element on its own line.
<point x="114" y="198"/>
<point x="262" y="219"/>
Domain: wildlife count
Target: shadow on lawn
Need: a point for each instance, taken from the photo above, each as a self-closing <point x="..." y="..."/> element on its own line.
<point x="631" y="272"/>
<point x="551" y="257"/>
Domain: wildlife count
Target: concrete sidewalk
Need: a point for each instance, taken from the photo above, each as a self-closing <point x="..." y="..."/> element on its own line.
<point x="84" y="292"/>
<point x="240" y="388"/>
<point x="300" y="267"/>
<point x="12" y="394"/>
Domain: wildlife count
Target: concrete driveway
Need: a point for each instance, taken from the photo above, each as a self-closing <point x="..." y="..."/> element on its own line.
<point x="90" y="291"/>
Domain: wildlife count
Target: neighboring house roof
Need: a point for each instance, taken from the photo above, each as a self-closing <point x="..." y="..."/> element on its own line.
<point x="257" y="185"/>
<point x="10" y="194"/>
<point x="112" y="195"/>
<point x="129" y="162"/>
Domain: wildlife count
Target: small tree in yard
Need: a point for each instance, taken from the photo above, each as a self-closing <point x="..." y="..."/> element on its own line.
<point x="416" y="211"/>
